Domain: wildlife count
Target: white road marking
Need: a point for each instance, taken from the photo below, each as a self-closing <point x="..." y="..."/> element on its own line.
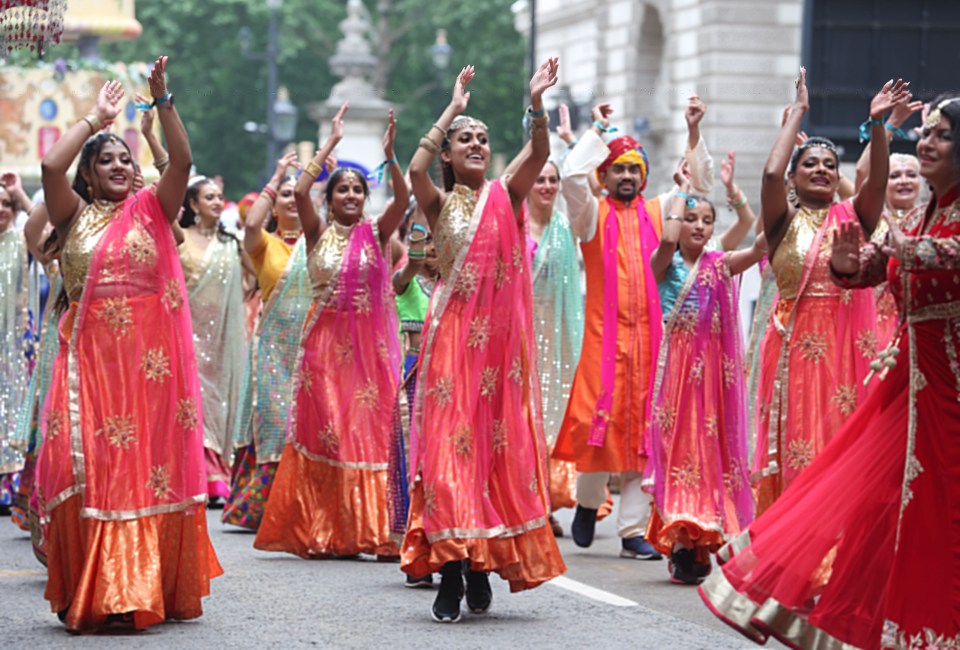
<point x="592" y="592"/>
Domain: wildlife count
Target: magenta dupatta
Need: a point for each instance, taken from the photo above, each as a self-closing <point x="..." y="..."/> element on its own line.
<point x="122" y="422"/>
<point x="477" y="442"/>
<point x="698" y="432"/>
<point x="611" y="295"/>
<point x="348" y="367"/>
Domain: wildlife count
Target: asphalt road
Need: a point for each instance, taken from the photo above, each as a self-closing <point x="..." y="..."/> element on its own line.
<point x="275" y="600"/>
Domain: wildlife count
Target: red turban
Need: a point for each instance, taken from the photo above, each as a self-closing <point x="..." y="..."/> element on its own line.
<point x="626" y="150"/>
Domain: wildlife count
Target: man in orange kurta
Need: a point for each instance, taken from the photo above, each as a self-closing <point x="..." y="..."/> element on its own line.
<point x="605" y="437"/>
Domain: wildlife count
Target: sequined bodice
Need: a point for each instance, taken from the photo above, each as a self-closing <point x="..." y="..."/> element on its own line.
<point x="452" y="232"/>
<point x="789" y="260"/>
<point x="81" y="242"/>
<point x="323" y="263"/>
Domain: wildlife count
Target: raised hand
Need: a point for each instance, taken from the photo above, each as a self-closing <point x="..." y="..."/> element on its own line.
<point x="287" y="160"/>
<point x="564" y="128"/>
<point x="336" y="124"/>
<point x="544" y="77"/>
<point x="11" y="181"/>
<point x="461" y="97"/>
<point x="601" y="113"/>
<point x="330" y="163"/>
<point x="845" y="252"/>
<point x="892" y="93"/>
<point x="727" y="168"/>
<point x="895" y="238"/>
<point x="902" y="111"/>
<point x="108" y="102"/>
<point x="390" y="136"/>
<point x="696" y="109"/>
<point x="158" y="80"/>
<point x="146" y="118"/>
<point x="802" y="100"/>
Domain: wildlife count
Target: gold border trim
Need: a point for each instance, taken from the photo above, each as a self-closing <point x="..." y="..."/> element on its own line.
<point x="486" y="533"/>
<point x="127" y="515"/>
<point x="939" y="311"/>
<point x="376" y="467"/>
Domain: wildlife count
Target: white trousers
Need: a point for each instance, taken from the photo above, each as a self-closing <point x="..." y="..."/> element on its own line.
<point x="634" y="510"/>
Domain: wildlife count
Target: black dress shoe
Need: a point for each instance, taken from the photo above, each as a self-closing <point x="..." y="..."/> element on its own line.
<point x="583" y="526"/>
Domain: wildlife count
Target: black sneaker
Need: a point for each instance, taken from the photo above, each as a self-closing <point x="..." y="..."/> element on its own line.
<point x="446" y="607"/>
<point x="479" y="593"/>
<point x="583" y="526"/>
<point x="637" y="548"/>
<point x="681" y="567"/>
<point x="426" y="582"/>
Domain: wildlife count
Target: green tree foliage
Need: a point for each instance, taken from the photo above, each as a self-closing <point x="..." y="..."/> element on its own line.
<point x="217" y="89"/>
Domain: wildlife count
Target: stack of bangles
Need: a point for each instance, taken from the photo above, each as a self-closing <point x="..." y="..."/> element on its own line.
<point x="313" y="169"/>
<point x="739" y="203"/>
<point x="427" y="143"/>
<point x="538" y="120"/>
<point x="269" y="193"/>
<point x="161" y="163"/>
<point x="413" y="239"/>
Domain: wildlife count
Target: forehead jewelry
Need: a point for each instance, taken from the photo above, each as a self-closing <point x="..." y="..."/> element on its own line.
<point x="933" y="119"/>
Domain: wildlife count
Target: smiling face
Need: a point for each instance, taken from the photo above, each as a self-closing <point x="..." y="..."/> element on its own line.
<point x="696" y="229"/>
<point x="286" y="207"/>
<point x="208" y="203"/>
<point x="7" y="212"/>
<point x="623" y="181"/>
<point x="545" y="188"/>
<point x="936" y="153"/>
<point x="816" y="176"/>
<point x="347" y="198"/>
<point x="110" y="174"/>
<point x="468" y="154"/>
<point x="903" y="183"/>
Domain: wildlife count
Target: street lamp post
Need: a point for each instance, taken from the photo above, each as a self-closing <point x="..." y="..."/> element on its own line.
<point x="440" y="53"/>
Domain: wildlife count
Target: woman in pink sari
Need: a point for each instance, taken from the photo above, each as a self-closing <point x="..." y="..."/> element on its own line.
<point x="329" y="496"/>
<point x="698" y="433"/>
<point x="816" y="355"/>
<point x="478" y="454"/>
<point x="121" y="474"/>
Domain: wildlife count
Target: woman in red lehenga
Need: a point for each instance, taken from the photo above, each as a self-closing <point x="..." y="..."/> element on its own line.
<point x="478" y="454"/>
<point x="863" y="550"/>
<point x="121" y="474"/>
<point x="329" y="496"/>
<point x="817" y="352"/>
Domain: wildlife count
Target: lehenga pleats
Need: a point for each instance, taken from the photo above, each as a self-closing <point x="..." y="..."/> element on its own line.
<point x="563" y="484"/>
<point x="158" y="567"/>
<point x="525" y="558"/>
<point x="317" y="508"/>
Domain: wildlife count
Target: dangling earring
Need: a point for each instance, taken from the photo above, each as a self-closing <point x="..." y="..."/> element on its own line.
<point x="792" y="197"/>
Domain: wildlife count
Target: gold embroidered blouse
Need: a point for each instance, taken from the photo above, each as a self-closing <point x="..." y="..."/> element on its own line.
<point x="789" y="260"/>
<point x="452" y="232"/>
<point x="81" y="241"/>
<point x="323" y="263"/>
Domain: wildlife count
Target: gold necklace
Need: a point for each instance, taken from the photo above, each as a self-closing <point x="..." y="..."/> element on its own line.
<point x="207" y="232"/>
<point x="289" y="234"/>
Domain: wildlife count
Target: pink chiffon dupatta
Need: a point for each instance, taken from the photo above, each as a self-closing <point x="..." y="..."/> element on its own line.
<point x="124" y="404"/>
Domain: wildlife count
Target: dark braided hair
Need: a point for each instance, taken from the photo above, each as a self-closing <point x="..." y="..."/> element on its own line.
<point x="88" y="155"/>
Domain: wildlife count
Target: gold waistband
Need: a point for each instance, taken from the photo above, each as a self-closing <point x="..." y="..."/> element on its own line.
<point x="937" y="311"/>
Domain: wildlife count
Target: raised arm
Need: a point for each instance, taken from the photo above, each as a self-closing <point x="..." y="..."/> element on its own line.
<point x="521" y="182"/>
<point x="773" y="191"/>
<point x="11" y="182"/>
<point x="36" y="230"/>
<point x="160" y="158"/>
<point x="900" y="114"/>
<point x="736" y="199"/>
<point x="309" y="219"/>
<point x="576" y="183"/>
<point x="173" y="182"/>
<point x="663" y="255"/>
<point x="870" y="199"/>
<point x="393" y="213"/>
<point x="697" y="155"/>
<point x="740" y="261"/>
<point x="429" y="197"/>
<point x="259" y="213"/>
<point x="62" y="202"/>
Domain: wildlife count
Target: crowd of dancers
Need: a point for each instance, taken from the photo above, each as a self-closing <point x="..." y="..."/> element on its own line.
<point x="430" y="385"/>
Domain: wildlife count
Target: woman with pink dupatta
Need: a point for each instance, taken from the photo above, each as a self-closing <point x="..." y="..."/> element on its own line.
<point x="698" y="434"/>
<point x="121" y="473"/>
<point x="478" y="454"/>
<point x="815" y="357"/>
<point x="329" y="496"/>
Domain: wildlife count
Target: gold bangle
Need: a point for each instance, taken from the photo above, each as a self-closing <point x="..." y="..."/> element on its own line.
<point x="162" y="163"/>
<point x="443" y="133"/>
<point x="313" y="169"/>
<point x="429" y="144"/>
<point x="539" y="123"/>
<point x="266" y="196"/>
<point x="93" y="121"/>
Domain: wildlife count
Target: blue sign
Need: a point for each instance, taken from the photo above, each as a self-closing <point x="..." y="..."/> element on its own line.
<point x="131" y="111"/>
<point x="48" y="109"/>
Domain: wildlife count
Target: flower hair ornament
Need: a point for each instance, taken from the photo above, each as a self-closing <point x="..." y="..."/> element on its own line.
<point x="933" y="119"/>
